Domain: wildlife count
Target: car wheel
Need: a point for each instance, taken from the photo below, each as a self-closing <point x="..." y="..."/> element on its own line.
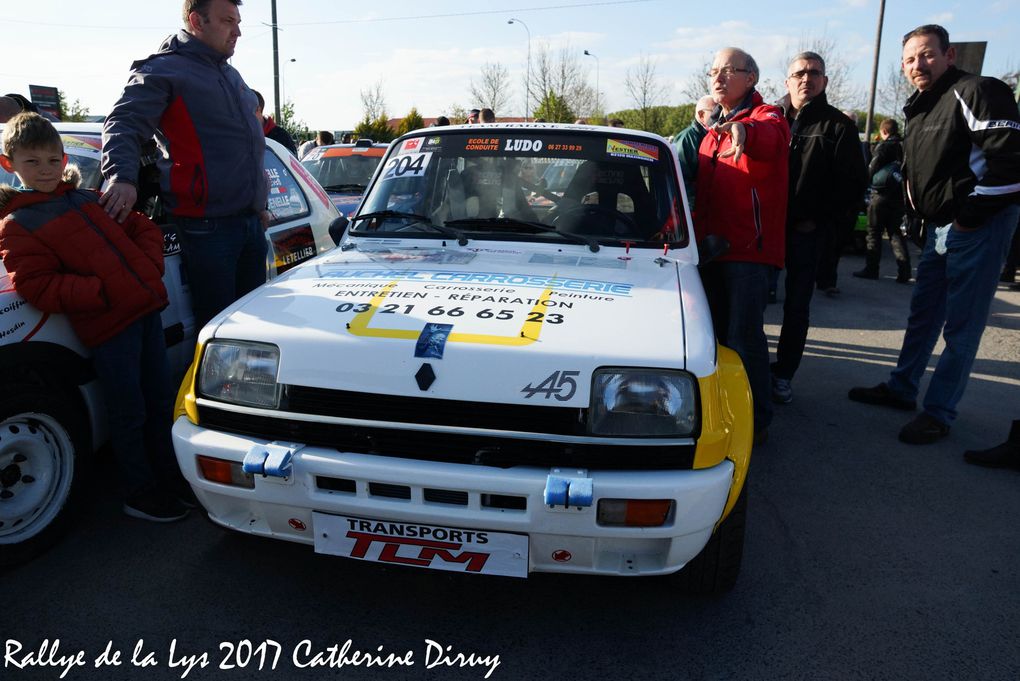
<point x="42" y="437"/>
<point x="715" y="569"/>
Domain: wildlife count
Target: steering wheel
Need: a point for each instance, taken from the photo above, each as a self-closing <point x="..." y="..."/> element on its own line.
<point x="563" y="213"/>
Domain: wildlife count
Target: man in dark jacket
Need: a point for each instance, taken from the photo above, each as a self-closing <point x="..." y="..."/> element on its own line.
<point x="271" y="129"/>
<point x="885" y="210"/>
<point x="827" y="180"/>
<point x="213" y="180"/>
<point x="742" y="186"/>
<point x="962" y="172"/>
<point x="687" y="141"/>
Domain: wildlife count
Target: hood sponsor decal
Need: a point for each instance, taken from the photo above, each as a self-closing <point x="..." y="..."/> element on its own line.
<point x="551" y="282"/>
<point x="628" y="149"/>
<point x="575" y="261"/>
<point x="432" y="340"/>
<point x="426" y="340"/>
<point x="437" y="256"/>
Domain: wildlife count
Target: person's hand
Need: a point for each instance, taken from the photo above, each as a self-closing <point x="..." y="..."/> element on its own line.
<point x="738" y="135"/>
<point x="265" y="217"/>
<point x="118" y="200"/>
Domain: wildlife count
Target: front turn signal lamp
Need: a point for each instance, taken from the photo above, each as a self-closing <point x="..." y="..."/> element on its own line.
<point x="635" y="512"/>
<point x="224" y="472"/>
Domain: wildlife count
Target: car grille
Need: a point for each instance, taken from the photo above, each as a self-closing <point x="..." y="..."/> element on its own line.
<point x="431" y="411"/>
<point x="449" y="447"/>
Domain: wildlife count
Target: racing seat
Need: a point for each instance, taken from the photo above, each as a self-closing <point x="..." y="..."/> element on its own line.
<point x="453" y="205"/>
<point x="610" y="189"/>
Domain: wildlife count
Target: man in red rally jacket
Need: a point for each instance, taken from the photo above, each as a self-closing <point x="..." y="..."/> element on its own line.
<point x="741" y="195"/>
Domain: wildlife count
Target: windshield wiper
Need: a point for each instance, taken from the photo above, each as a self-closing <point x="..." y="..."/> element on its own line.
<point x="590" y="242"/>
<point x="416" y="218"/>
<point x="344" y="187"/>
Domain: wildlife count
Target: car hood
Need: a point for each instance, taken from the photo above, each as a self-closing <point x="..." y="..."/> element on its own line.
<point x="345" y="202"/>
<point x="492" y="324"/>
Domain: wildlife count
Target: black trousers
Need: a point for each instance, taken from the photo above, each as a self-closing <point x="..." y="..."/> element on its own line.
<point x="884" y="217"/>
<point x="834" y="240"/>
<point x="802" y="257"/>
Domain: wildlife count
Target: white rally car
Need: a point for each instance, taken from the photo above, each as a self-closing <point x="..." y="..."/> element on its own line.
<point x="490" y="375"/>
<point x="52" y="415"/>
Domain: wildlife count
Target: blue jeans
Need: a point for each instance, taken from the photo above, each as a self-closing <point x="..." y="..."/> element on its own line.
<point x="224" y="259"/>
<point x="802" y="253"/>
<point x="135" y="377"/>
<point x="952" y="295"/>
<point x="737" y="293"/>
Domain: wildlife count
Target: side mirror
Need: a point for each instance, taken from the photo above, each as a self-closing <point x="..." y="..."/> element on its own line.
<point x="337" y="229"/>
<point x="711" y="247"/>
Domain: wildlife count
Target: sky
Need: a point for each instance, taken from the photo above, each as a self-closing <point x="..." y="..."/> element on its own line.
<point x="425" y="55"/>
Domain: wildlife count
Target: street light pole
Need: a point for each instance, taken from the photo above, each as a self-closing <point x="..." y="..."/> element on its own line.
<point x="283" y="82"/>
<point x="276" y="63"/>
<point x="589" y="54"/>
<point x="527" y="77"/>
<point x="874" y="74"/>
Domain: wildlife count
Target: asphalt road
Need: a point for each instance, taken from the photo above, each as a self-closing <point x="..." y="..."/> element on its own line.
<point x="865" y="559"/>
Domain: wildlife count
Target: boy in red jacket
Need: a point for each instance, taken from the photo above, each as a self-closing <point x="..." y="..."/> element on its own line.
<point x="65" y="254"/>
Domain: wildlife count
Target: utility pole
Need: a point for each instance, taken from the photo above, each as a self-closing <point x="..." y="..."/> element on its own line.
<point x="874" y="74"/>
<point x="276" y="64"/>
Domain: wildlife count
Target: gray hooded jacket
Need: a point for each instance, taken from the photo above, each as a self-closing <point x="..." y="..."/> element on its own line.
<point x="202" y="115"/>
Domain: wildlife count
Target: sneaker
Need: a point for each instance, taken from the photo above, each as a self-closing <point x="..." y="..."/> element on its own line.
<point x="881" y="395"/>
<point x="923" y="430"/>
<point x="155" y="507"/>
<point x="832" y="292"/>
<point x="866" y="274"/>
<point x="782" y="390"/>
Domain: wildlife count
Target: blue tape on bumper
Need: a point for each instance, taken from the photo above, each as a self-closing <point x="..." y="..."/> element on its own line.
<point x="580" y="492"/>
<point x="556" y="491"/>
<point x="255" y="461"/>
<point x="278" y="463"/>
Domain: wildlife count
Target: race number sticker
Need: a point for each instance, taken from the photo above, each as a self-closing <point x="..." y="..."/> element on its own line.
<point x="408" y="165"/>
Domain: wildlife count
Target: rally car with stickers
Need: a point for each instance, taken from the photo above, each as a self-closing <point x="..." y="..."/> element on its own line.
<point x="52" y="415"/>
<point x="493" y="374"/>
<point x="344" y="170"/>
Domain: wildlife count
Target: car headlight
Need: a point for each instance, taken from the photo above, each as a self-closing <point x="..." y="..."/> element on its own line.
<point x="240" y="373"/>
<point x="643" y="403"/>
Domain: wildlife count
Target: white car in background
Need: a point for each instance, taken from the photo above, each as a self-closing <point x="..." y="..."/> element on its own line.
<point x="52" y="416"/>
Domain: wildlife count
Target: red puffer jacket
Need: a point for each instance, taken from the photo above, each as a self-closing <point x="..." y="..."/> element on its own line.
<point x="65" y="254"/>
<point x="746" y="201"/>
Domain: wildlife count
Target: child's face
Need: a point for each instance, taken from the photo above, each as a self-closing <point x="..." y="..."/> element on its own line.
<point x="39" y="169"/>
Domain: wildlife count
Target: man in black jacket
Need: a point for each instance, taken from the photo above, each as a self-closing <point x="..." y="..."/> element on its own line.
<point x="962" y="172"/>
<point x="827" y="179"/>
<point x="270" y="129"/>
<point x="885" y="210"/>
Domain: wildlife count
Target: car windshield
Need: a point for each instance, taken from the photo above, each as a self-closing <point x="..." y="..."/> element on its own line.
<point x="537" y="184"/>
<point x="343" y="168"/>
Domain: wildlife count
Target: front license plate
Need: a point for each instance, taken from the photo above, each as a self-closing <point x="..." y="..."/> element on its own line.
<point x="428" y="546"/>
